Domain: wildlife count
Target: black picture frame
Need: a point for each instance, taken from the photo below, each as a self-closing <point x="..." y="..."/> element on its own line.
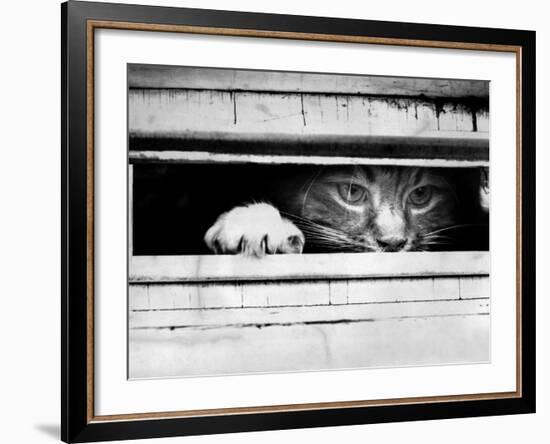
<point x="77" y="421"/>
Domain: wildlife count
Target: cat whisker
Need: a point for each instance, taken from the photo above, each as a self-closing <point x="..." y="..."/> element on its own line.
<point x="454" y="227"/>
<point x="310" y="185"/>
<point x="436" y="238"/>
<point x="321" y="231"/>
<point x="322" y="235"/>
<point x="434" y="235"/>
<point x="338" y="240"/>
<point x="293" y="216"/>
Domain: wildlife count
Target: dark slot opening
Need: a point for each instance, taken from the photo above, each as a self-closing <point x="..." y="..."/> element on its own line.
<point x="175" y="204"/>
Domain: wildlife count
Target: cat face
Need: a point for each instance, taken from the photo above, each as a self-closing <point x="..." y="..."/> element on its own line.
<point x="375" y="208"/>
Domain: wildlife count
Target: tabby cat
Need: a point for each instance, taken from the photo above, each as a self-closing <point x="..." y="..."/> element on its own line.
<point x="347" y="208"/>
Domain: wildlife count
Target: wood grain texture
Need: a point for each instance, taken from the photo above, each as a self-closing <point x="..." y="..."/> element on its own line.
<point x="361" y="39"/>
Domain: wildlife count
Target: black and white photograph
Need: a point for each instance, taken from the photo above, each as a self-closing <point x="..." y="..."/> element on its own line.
<point x="296" y="221"/>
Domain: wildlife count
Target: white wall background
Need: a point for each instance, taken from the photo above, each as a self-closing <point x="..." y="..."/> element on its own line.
<point x="30" y="208"/>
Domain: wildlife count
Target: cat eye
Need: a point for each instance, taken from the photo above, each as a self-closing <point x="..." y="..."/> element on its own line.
<point x="352" y="193"/>
<point x="421" y="196"/>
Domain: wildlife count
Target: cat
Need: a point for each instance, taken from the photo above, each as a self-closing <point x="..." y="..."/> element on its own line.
<point x="351" y="209"/>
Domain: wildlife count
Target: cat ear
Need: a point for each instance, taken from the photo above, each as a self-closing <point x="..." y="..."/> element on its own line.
<point x="484" y="190"/>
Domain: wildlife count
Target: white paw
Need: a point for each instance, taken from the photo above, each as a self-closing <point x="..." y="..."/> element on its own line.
<point x="254" y="230"/>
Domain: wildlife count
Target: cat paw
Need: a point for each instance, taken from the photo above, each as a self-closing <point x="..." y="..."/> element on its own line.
<point x="254" y="230"/>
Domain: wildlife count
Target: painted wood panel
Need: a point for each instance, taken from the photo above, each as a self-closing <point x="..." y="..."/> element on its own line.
<point x="261" y="317"/>
<point x="218" y="115"/>
<point x="391" y="342"/>
<point x="174" y="156"/>
<point x="208" y="268"/>
<point x="305" y="293"/>
<point x="184" y="329"/>
<point x="157" y="76"/>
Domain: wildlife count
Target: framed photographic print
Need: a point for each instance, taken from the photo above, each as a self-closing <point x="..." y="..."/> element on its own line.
<point x="277" y="221"/>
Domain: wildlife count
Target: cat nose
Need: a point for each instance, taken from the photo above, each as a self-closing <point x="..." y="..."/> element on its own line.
<point x="391" y="243"/>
